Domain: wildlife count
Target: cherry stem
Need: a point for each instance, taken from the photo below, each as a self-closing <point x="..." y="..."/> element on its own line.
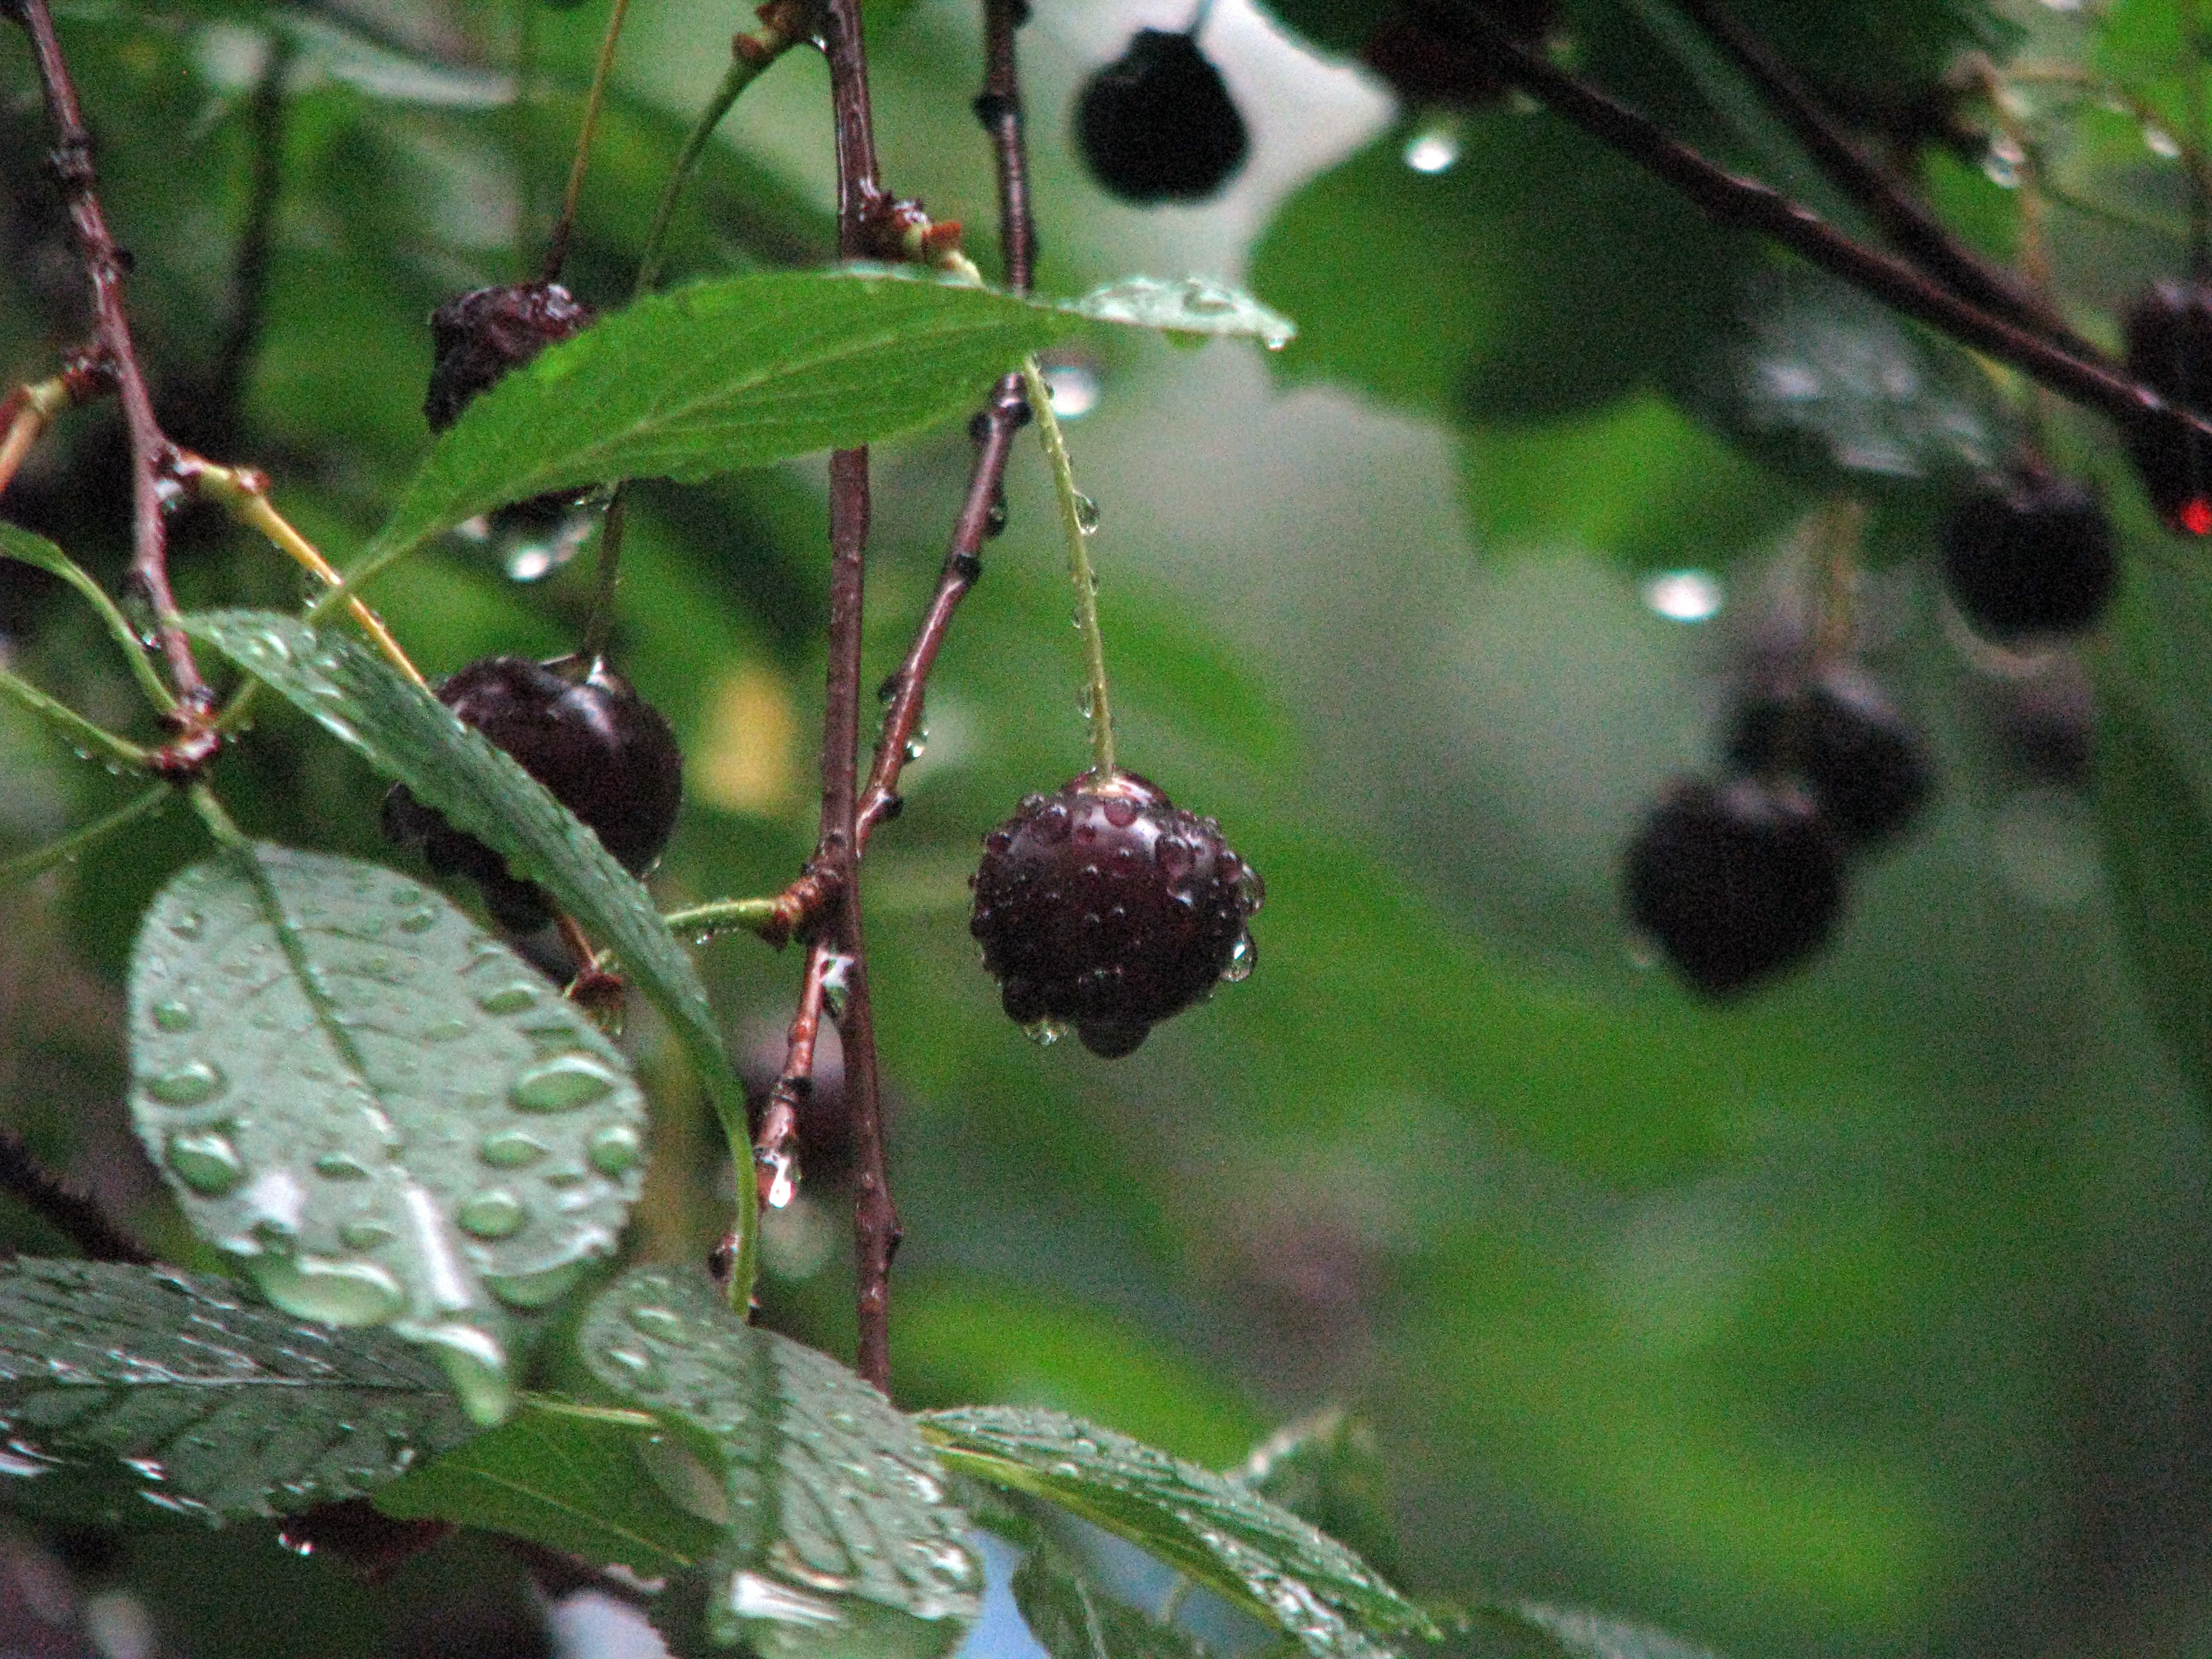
<point x="1072" y="515"/>
<point x="68" y="1211"/>
<point x="2088" y="378"/>
<point x="556" y="245"/>
<point x="22" y="868"/>
<point x="839" y="932"/>
<point x="701" y="921"/>
<point x="104" y="267"/>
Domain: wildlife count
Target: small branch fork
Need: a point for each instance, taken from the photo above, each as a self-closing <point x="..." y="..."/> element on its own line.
<point x="824" y="905"/>
<point x="2065" y="366"/>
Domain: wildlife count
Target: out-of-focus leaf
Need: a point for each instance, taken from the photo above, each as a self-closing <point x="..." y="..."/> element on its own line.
<point x="1072" y="1618"/>
<point x="838" y="1540"/>
<point x="1216" y="1530"/>
<point x="1327" y="1469"/>
<point x="128" y="1393"/>
<point x="1533" y="1630"/>
<point x="382" y="1111"/>
<point x="2159" y="844"/>
<point x="231" y="57"/>
<point x="1190" y="305"/>
<point x="408" y="735"/>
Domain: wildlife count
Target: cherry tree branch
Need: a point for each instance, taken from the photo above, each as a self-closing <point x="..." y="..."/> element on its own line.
<point x="2090" y="379"/>
<point x="104" y="265"/>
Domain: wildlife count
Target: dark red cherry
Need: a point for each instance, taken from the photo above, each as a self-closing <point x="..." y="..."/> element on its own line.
<point x="599" y="748"/>
<point x="1866" y="769"/>
<point x="2030" y="553"/>
<point x="1735" y="881"/>
<point x="1106" y="908"/>
<point x="480" y="337"/>
<point x="1157" y="124"/>
<point x="2169" y="340"/>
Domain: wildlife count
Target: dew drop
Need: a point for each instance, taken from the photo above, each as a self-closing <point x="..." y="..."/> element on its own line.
<point x="682" y="1477"/>
<point x="205" y="1162"/>
<point x="174" y="1016"/>
<point x="1044" y="1032"/>
<point x="1054" y="822"/>
<point x="562" y="1084"/>
<point x="836" y="985"/>
<point x="511" y="1149"/>
<point x="492" y="1213"/>
<point x="445" y="1030"/>
<point x="1120" y="811"/>
<point x="638" y="1369"/>
<point x="1432" y="152"/>
<point x="419" y="922"/>
<point x="614" y="1150"/>
<point x="2001" y="164"/>
<point x="1244" y="957"/>
<point x="340" y="1166"/>
<point x="1176" y="857"/>
<point x="476" y="1364"/>
<point x="509" y="998"/>
<point x="1086" y="514"/>
<point x="651" y="1319"/>
<point x="188" y="924"/>
<point x="336" y="1293"/>
<point x="2160" y="143"/>
<point x="188" y="1084"/>
<point x="783" y="1178"/>
<point x="365" y="1234"/>
<point x="528" y="1291"/>
<point x="19" y="1459"/>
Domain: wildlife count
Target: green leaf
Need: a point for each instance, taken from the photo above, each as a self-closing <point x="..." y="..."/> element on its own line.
<point x="2159" y="844"/>
<point x="839" y="1541"/>
<point x="1325" y="1468"/>
<point x="129" y="1392"/>
<point x="1189" y="305"/>
<point x="569" y="1478"/>
<point x="387" y="1114"/>
<point x="1072" y="1618"/>
<point x="726" y="374"/>
<point x="1216" y="1530"/>
<point x="408" y="734"/>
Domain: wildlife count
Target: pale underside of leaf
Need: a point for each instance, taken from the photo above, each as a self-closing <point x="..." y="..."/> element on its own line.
<point x="130" y="1393"/>
<point x="383" y="1113"/>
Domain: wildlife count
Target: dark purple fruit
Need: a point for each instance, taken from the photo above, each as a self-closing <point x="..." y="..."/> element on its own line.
<point x="1866" y="770"/>
<point x="599" y="748"/>
<point x="2030" y="554"/>
<point x="1735" y="881"/>
<point x="2169" y="337"/>
<point x="1157" y="125"/>
<point x="478" y="338"/>
<point x="1105" y="908"/>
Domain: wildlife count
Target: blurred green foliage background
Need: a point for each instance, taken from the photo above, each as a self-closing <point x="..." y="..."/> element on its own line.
<point x="1865" y="1315"/>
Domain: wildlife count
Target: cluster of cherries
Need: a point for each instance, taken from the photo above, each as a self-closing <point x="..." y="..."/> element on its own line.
<point x="1102" y="907"/>
<point x="1738" y="880"/>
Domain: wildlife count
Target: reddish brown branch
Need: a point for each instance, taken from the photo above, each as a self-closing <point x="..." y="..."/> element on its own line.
<point x="1000" y="109"/>
<point x="1745" y="204"/>
<point x="70" y="1213"/>
<point x="104" y="266"/>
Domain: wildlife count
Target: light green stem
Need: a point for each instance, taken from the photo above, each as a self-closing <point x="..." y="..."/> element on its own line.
<point x="1078" y="571"/>
<point x="220" y="824"/>
<point x="82" y="734"/>
<point x="722" y="916"/>
<point x="134" y="652"/>
<point x="743" y="71"/>
<point x="55" y="852"/>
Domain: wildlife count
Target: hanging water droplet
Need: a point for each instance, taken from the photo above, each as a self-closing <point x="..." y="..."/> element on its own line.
<point x="1433" y="151"/>
<point x="174" y="1016"/>
<point x="1086" y="514"/>
<point x="2003" y="162"/>
<point x="2160" y="143"/>
<point x="918" y="744"/>
<point x="476" y="1364"/>
<point x="1244" y="957"/>
<point x="614" y="1150"/>
<point x="205" y="1162"/>
<point x="509" y="998"/>
<point x="562" y="1084"/>
<point x="783" y="1177"/>
<point x="1044" y="1032"/>
<point x="837" y="984"/>
<point x="336" y="1293"/>
<point x="1074" y="389"/>
<point x="492" y="1213"/>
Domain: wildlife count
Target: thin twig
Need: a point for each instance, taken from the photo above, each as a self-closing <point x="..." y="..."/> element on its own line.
<point x="249" y="271"/>
<point x="1000" y="109"/>
<point x="875" y="1220"/>
<point x="556" y="245"/>
<point x="68" y="1211"/>
<point x="1917" y="232"/>
<point x="1745" y="204"/>
<point x="104" y="266"/>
